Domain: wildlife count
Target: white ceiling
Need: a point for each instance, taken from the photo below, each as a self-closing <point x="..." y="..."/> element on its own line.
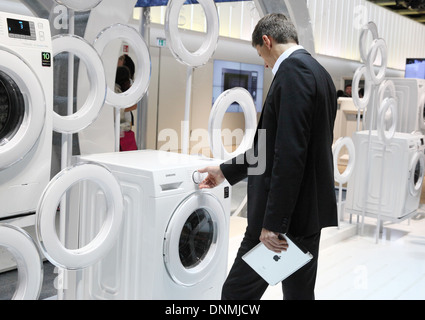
<point x="15" y="6"/>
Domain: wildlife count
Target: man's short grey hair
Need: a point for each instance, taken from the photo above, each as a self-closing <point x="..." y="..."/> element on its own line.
<point x="277" y="26"/>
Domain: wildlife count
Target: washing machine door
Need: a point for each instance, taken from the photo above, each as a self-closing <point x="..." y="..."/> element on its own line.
<point x="195" y="239"/>
<point x="22" y="108"/>
<point x="417" y="170"/>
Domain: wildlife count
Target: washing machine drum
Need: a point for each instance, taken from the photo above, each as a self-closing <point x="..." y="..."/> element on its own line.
<point x="196" y="238"/>
<point x="12" y="108"/>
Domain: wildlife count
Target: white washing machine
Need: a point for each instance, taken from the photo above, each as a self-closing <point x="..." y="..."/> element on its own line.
<point x="26" y="107"/>
<point x="174" y="239"/>
<point x="402" y="173"/>
<point x="411" y="103"/>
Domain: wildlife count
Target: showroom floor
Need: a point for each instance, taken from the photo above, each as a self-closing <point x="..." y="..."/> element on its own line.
<point x="358" y="268"/>
<point x="351" y="267"/>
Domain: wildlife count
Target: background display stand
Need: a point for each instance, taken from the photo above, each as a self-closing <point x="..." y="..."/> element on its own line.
<point x="66" y="152"/>
<point x="380" y="98"/>
<point x="191" y="60"/>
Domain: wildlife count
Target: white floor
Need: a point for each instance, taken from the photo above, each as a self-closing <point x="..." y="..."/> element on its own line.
<point x="355" y="267"/>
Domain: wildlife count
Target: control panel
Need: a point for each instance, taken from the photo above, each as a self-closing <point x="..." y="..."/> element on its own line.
<point x="26" y="31"/>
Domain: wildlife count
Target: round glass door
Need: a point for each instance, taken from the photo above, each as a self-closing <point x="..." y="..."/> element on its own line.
<point x="417" y="170"/>
<point x="22" y="108"/>
<point x="195" y="239"/>
<point x="12" y="109"/>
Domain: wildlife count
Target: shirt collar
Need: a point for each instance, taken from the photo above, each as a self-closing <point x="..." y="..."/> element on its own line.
<point x="284" y="56"/>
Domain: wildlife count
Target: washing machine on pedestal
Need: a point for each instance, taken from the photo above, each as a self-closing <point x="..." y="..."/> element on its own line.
<point x="410" y="95"/>
<point x="397" y="195"/>
<point x="174" y="239"/>
<point x="26" y="107"/>
<point x="411" y="102"/>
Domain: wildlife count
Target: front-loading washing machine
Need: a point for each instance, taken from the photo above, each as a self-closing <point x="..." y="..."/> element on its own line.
<point x="26" y="107"/>
<point x="174" y="238"/>
<point x="391" y="181"/>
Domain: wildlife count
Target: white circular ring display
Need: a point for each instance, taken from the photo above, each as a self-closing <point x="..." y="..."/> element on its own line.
<point x="90" y="110"/>
<point x="415" y="188"/>
<point x="421" y="115"/>
<point x="47" y="236"/>
<point x="387" y="104"/>
<point x="35" y="110"/>
<point x="339" y="144"/>
<point x="143" y="73"/>
<point x="386" y="85"/>
<point x="80" y="5"/>
<point x="378" y="44"/>
<point x="371" y="26"/>
<point x="361" y="103"/>
<point x="28" y="259"/>
<point x="223" y="102"/>
<point x="208" y="47"/>
<point x="179" y="273"/>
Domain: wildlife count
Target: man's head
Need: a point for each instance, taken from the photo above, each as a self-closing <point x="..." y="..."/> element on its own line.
<point x="277" y="26"/>
<point x="272" y="35"/>
<point x="348" y="89"/>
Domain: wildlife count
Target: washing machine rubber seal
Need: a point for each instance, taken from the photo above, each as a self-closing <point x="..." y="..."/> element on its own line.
<point x="143" y="74"/>
<point x="47" y="236"/>
<point x="223" y="102"/>
<point x="373" y="29"/>
<point x="30" y="265"/>
<point x="339" y="144"/>
<point x="378" y="44"/>
<point x="208" y="47"/>
<point x="387" y="135"/>
<point x="362" y="103"/>
<point x="90" y="110"/>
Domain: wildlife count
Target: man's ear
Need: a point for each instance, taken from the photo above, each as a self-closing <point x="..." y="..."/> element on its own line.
<point x="267" y="41"/>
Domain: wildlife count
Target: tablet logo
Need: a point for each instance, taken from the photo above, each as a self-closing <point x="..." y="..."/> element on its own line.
<point x="277" y="258"/>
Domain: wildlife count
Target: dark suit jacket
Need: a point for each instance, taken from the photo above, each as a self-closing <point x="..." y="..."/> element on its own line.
<point x="296" y="192"/>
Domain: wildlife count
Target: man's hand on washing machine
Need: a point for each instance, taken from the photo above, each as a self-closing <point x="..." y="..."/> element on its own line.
<point x="215" y="177"/>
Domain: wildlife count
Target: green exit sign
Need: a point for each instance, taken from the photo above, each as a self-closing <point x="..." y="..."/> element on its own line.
<point x="161" y="42"/>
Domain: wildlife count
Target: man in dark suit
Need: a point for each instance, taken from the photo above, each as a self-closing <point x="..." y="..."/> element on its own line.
<point x="291" y="183"/>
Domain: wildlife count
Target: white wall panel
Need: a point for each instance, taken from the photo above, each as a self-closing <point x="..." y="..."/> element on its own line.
<point x="337" y="24"/>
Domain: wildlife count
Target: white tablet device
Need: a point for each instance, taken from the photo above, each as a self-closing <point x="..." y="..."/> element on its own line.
<point x="276" y="267"/>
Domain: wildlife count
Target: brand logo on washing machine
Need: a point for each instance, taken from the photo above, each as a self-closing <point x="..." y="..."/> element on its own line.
<point x="46" y="59"/>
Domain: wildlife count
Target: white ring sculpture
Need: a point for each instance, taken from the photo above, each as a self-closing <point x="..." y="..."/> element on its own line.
<point x="371" y="26"/>
<point x="388" y="104"/>
<point x="386" y="85"/>
<point x="378" y="44"/>
<point x="208" y="47"/>
<point x="143" y="62"/>
<point x="227" y="98"/>
<point x="47" y="236"/>
<point x="28" y="259"/>
<point x="361" y="103"/>
<point x="89" y="112"/>
<point x="339" y="144"/>
<point x="80" y="5"/>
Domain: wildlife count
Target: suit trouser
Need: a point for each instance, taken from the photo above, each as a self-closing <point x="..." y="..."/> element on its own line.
<point x="243" y="283"/>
